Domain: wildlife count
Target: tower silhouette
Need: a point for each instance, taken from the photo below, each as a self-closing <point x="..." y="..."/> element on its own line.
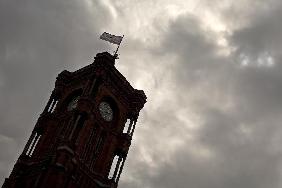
<point x="82" y="137"/>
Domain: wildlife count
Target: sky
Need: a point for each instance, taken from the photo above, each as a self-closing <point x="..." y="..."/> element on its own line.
<point x="211" y="70"/>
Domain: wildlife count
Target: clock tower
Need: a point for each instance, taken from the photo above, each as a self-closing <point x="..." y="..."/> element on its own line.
<point x="82" y="137"/>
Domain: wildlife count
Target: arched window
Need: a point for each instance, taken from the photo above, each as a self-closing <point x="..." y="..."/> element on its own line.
<point x="116" y="168"/>
<point x="32" y="143"/>
<point x="72" y="100"/>
<point x="129" y="127"/>
<point x="52" y="103"/>
<point x="73" y="103"/>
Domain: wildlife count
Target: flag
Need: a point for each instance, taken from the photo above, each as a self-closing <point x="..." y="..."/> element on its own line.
<point x="111" y="38"/>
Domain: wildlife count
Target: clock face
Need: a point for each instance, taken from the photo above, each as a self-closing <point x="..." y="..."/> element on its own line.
<point x="73" y="103"/>
<point x="106" y="111"/>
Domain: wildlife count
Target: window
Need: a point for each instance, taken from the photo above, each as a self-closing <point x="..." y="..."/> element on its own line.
<point x="127" y="126"/>
<point x="31" y="145"/>
<point x="78" y="124"/>
<point x="89" y="143"/>
<point x="113" y="167"/>
<point x="53" y="105"/>
<point x="97" y="149"/>
<point x="72" y="100"/>
<point x="108" y="109"/>
<point x="73" y="103"/>
<point x="116" y="168"/>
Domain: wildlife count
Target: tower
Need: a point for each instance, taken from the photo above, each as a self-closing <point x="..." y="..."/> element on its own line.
<point x="83" y="135"/>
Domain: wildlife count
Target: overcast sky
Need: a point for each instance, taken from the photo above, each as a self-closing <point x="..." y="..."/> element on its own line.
<point x="211" y="69"/>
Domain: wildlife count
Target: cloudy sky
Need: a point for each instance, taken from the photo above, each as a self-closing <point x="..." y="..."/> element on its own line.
<point x="211" y="69"/>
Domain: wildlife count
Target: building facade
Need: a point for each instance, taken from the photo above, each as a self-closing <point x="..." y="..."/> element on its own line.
<point x="82" y="137"/>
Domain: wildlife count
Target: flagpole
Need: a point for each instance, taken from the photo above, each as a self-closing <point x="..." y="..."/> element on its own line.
<point x="116" y="55"/>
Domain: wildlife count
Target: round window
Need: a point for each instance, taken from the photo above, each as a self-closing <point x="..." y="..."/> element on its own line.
<point x="106" y="111"/>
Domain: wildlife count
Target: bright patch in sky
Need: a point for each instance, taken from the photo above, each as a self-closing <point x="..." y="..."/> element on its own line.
<point x="211" y="71"/>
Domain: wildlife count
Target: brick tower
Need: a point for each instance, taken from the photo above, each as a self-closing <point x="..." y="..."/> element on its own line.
<point x="83" y="135"/>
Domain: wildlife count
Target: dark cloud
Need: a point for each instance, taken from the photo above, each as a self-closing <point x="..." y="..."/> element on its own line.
<point x="38" y="39"/>
<point x="238" y="106"/>
<point x="212" y="119"/>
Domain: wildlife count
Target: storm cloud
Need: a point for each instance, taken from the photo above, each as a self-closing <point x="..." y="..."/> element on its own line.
<point x="211" y="72"/>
